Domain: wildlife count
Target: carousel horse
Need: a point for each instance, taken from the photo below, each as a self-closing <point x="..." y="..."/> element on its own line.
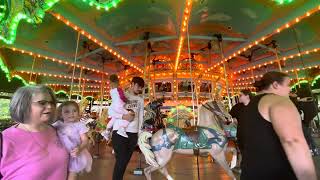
<point x="208" y="137"/>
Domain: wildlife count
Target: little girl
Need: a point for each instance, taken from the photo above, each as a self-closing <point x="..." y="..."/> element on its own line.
<point x="72" y="134"/>
<point x="117" y="107"/>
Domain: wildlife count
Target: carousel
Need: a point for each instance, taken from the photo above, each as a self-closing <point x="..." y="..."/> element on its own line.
<point x="194" y="55"/>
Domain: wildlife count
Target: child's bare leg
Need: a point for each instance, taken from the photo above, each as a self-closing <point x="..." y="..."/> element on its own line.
<point x="106" y="134"/>
<point x="72" y="176"/>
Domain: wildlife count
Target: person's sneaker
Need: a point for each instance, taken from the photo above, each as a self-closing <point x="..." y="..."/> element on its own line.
<point x="122" y="132"/>
<point x="106" y="135"/>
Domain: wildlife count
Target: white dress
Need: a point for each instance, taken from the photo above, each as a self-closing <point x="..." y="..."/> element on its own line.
<point x="117" y="107"/>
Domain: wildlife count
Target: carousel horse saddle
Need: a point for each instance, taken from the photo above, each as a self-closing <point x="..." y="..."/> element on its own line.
<point x="192" y="133"/>
<point x="191" y="138"/>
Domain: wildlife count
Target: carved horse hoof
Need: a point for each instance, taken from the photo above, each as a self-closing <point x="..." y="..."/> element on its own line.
<point x="147" y="173"/>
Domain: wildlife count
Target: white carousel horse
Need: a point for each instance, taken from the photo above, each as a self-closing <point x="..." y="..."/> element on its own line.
<point x="211" y="139"/>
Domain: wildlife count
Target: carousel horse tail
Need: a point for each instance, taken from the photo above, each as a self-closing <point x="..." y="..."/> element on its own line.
<point x="143" y="142"/>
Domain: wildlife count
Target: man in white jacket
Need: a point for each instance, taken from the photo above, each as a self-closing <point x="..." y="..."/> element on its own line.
<point x="122" y="146"/>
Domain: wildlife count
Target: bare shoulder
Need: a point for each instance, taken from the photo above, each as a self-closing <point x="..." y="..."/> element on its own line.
<point x="273" y="102"/>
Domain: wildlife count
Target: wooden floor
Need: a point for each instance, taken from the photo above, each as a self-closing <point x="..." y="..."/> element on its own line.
<point x="181" y="167"/>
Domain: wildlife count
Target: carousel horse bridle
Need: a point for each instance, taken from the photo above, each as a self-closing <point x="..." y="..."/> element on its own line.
<point x="212" y="107"/>
<point x="166" y="142"/>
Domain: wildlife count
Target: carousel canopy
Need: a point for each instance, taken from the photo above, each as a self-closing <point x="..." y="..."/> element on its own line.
<point x="79" y="43"/>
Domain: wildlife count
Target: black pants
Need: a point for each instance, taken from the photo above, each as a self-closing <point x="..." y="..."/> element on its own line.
<point x="123" y="148"/>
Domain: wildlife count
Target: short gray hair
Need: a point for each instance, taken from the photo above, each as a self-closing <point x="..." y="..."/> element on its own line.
<point x="21" y="100"/>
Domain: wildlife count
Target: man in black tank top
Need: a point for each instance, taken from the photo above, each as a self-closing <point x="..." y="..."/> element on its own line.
<point x="274" y="145"/>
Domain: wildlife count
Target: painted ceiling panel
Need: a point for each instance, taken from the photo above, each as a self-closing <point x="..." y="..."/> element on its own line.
<point x="242" y="16"/>
<point x="306" y="34"/>
<point x="51" y="35"/>
<point x="129" y="16"/>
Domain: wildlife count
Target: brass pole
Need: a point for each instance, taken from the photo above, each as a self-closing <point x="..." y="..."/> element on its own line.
<point x="278" y="60"/>
<point x="32" y="67"/>
<point x="83" y="86"/>
<point x="74" y="65"/>
<point x="80" y="82"/>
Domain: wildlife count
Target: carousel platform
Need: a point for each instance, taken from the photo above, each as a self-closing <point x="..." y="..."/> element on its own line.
<point x="181" y="167"/>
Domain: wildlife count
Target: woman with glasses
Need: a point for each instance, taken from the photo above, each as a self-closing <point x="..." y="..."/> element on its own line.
<point x="31" y="149"/>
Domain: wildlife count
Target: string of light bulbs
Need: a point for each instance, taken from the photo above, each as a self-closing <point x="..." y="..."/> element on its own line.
<point x="263" y="38"/>
<point x="98" y="42"/>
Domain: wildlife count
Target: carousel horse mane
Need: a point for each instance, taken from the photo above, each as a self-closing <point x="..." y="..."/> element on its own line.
<point x="216" y="111"/>
<point x="216" y="107"/>
<point x="153" y="116"/>
<point x="151" y="108"/>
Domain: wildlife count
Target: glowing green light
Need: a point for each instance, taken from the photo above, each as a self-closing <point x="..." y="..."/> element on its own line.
<point x="315" y="80"/>
<point x="21" y="79"/>
<point x="300" y="82"/>
<point x="5" y="69"/>
<point x="8" y="26"/>
<point x="181" y="107"/>
<point x="89" y="97"/>
<point x="103" y="5"/>
<point x="172" y="110"/>
<point x="76" y="94"/>
<point x="62" y="92"/>
<point x="281" y="2"/>
<point x="170" y="120"/>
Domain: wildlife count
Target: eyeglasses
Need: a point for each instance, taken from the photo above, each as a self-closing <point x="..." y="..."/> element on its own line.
<point x="45" y="103"/>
